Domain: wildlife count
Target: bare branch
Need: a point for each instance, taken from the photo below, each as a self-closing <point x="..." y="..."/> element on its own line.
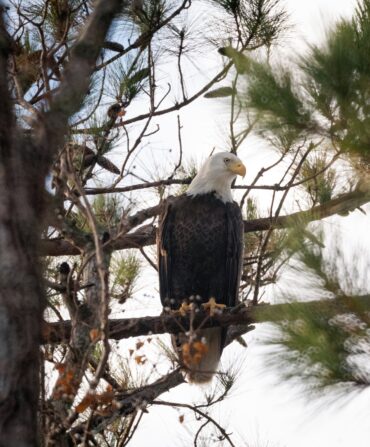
<point x="200" y="413"/>
<point x="170" y="181"/>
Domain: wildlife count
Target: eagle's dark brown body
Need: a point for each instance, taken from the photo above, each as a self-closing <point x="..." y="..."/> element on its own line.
<point x="200" y="247"/>
<point x="200" y="250"/>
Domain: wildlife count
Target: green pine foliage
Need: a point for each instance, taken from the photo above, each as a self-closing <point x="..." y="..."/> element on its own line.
<point x="261" y="22"/>
<point x="274" y="96"/>
<point x="323" y="98"/>
<point x="127" y="82"/>
<point x="126" y="269"/>
<point x="324" y="350"/>
<point x="333" y="85"/>
<point x="318" y="181"/>
<point x="108" y="210"/>
<point x="328" y="344"/>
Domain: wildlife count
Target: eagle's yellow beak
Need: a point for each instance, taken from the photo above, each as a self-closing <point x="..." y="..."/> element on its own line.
<point x="237" y="167"/>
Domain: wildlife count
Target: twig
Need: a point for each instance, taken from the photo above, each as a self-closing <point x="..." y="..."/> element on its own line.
<point x="201" y="413"/>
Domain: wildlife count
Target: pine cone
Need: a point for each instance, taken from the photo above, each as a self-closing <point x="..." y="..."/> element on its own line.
<point x="107" y="164"/>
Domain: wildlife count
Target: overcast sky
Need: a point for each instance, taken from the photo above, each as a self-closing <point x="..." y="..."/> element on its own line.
<point x="261" y="412"/>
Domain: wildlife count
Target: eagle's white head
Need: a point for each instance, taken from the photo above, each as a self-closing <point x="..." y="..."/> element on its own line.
<point x="217" y="174"/>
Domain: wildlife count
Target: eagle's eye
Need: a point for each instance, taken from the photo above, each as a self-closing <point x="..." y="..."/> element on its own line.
<point x="226" y="160"/>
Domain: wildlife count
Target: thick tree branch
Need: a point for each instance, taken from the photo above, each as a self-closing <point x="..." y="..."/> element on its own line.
<point x="173" y="324"/>
<point x="146" y="235"/>
<point x="142" y="237"/>
<point x="131" y="401"/>
<point x="170" y="181"/>
<point x="342" y="204"/>
<point x="76" y="78"/>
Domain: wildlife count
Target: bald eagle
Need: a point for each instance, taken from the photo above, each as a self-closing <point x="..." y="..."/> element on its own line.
<point x="200" y="248"/>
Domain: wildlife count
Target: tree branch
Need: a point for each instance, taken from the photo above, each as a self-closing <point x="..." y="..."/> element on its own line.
<point x="142" y="237"/>
<point x="138" y="186"/>
<point x="76" y="78"/>
<point x="178" y="105"/>
<point x="343" y="203"/>
<point x="203" y="414"/>
<point x="131" y="401"/>
<point x="173" y="323"/>
<point x="146" y="235"/>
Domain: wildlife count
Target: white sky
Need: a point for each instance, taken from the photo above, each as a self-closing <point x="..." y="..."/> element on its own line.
<point x="262" y="412"/>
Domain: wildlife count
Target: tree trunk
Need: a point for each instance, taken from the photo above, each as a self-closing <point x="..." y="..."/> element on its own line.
<point x="21" y="304"/>
<point x="21" y="296"/>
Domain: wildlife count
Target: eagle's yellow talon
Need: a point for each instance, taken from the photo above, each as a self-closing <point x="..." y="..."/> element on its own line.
<point x="212" y="306"/>
<point x="185" y="308"/>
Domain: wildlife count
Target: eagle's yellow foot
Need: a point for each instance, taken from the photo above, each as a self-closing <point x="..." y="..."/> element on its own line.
<point x="185" y="308"/>
<point x="212" y="306"/>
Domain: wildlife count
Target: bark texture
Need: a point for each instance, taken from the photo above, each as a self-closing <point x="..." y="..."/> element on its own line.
<point x="21" y="297"/>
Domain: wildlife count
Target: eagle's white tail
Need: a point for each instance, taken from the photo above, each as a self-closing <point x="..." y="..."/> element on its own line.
<point x="201" y="371"/>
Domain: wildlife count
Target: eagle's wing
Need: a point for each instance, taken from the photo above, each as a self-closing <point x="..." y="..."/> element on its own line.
<point x="234" y="259"/>
<point x="234" y="253"/>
